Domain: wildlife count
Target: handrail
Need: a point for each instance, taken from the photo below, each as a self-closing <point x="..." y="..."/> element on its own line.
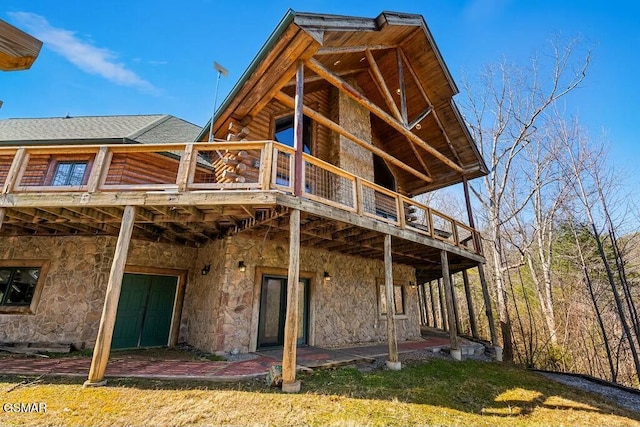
<point x="338" y="187"/>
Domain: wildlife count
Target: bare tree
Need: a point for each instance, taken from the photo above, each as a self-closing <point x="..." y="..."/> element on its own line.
<point x="591" y="189"/>
<point x="503" y="117"/>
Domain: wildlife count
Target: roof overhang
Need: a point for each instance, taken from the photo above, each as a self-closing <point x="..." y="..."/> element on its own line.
<point x="18" y="50"/>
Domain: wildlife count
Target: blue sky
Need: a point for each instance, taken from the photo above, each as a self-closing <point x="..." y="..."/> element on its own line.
<point x="142" y="57"/>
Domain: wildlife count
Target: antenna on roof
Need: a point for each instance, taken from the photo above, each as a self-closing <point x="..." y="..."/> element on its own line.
<point x="221" y="71"/>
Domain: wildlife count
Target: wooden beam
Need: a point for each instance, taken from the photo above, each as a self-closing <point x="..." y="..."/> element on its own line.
<point x="354" y="94"/>
<point x="382" y="85"/>
<point x="426" y="98"/>
<point x="351" y="49"/>
<point x="472" y="311"/>
<point x="448" y="294"/>
<point x="102" y="347"/>
<point x="392" y="339"/>
<point x="289" y="383"/>
<point x="403" y="90"/>
<point x="330" y="124"/>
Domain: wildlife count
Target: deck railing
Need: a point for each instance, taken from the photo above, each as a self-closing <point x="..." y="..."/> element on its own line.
<point x="260" y="165"/>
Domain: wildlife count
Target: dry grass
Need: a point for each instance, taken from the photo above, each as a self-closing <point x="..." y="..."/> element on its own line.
<point x="437" y="392"/>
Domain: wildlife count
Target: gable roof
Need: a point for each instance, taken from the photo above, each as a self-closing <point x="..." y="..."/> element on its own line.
<point x="398" y="47"/>
<point x="97" y="129"/>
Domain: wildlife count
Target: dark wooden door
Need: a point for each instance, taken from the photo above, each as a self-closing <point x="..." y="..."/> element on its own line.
<point x="145" y="311"/>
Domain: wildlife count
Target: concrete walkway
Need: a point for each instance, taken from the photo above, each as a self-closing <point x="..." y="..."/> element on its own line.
<point x="255" y="365"/>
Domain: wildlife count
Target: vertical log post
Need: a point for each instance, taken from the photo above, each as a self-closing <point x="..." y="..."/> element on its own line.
<point x="456" y="308"/>
<point x="3" y="212"/>
<point x="107" y="321"/>
<point x="392" y="363"/>
<point x="425" y="305"/>
<point x="483" y="281"/>
<point x="289" y="383"/>
<point x="298" y="125"/>
<point x="453" y="333"/>
<point x="472" y="311"/>
<point x="433" y="305"/>
<point x="444" y="316"/>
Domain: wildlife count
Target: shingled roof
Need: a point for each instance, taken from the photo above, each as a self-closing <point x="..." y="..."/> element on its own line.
<point x="153" y="128"/>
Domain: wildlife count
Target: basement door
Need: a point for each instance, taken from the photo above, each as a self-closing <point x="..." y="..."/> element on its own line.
<point x="145" y="310"/>
<point x="273" y="309"/>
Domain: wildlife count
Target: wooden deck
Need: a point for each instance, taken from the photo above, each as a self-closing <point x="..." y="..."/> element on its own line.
<point x="192" y="192"/>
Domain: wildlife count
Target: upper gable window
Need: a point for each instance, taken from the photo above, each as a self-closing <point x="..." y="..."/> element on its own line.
<point x="69" y="173"/>
<point x="284" y="132"/>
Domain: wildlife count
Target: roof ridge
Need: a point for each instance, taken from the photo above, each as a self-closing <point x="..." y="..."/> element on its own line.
<point x="146" y="128"/>
<point x="84" y="117"/>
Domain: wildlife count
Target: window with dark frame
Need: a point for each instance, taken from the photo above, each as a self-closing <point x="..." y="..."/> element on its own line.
<point x="69" y="173"/>
<point x="18" y="285"/>
<point x="284" y="132"/>
<point x="398" y="300"/>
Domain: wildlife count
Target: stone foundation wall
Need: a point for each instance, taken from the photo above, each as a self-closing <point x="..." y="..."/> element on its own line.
<point x="342" y="311"/>
<point x="74" y="288"/>
<point x="220" y="311"/>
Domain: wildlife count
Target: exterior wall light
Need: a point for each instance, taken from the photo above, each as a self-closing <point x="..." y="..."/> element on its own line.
<point x="206" y="269"/>
<point x="327" y="276"/>
<point x="242" y="267"/>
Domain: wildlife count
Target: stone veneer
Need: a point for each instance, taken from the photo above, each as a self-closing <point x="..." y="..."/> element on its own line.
<point x="74" y="289"/>
<point x="356" y="119"/>
<point x="342" y="311"/>
<point x="220" y="311"/>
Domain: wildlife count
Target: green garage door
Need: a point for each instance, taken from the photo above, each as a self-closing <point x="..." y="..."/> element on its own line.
<point x="144" y="313"/>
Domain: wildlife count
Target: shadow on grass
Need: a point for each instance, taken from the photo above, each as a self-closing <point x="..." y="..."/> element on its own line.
<point x="473" y="387"/>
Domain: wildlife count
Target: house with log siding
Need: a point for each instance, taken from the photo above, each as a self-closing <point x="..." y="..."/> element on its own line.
<point x="289" y="219"/>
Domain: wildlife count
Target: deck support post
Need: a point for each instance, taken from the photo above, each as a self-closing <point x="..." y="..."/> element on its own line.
<point x="102" y="347"/>
<point x="3" y="212"/>
<point x="443" y="309"/>
<point x="472" y="311"/>
<point x="433" y="305"/>
<point x="456" y="308"/>
<point x="453" y="332"/>
<point x="289" y="383"/>
<point x="393" y="362"/>
<point x="483" y="281"/>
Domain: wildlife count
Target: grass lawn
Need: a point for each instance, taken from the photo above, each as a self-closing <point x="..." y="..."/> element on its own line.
<point x="436" y="392"/>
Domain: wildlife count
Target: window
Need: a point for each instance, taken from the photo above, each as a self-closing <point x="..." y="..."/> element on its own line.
<point x="69" y="173"/>
<point x="18" y="284"/>
<point x="284" y="132"/>
<point x="398" y="300"/>
<point x="21" y="285"/>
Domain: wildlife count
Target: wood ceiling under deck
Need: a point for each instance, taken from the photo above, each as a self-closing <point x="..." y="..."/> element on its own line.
<point x="195" y="225"/>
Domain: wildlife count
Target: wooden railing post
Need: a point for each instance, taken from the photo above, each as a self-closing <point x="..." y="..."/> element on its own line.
<point x="359" y="196"/>
<point x="187" y="165"/>
<point x="102" y="347"/>
<point x="14" y="171"/>
<point x="266" y="164"/>
<point x="97" y="170"/>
